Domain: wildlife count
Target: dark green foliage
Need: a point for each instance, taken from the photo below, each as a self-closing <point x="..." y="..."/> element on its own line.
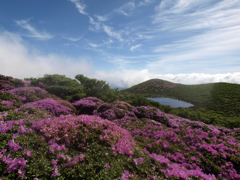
<point x="97" y="88"/>
<point x="6" y="83"/>
<point x="18" y="83"/>
<point x="59" y="85"/>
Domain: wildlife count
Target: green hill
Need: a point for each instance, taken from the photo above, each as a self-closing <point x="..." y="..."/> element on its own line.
<point x="223" y="98"/>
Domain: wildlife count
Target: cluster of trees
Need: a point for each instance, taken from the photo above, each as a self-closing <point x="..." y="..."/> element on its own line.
<point x="75" y="89"/>
<point x="80" y="87"/>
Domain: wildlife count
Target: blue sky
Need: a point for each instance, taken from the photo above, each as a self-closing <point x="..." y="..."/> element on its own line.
<point x="122" y="42"/>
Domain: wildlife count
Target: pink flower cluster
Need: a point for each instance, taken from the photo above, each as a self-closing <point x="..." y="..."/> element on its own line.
<point x="24" y="93"/>
<point x="50" y="105"/>
<point x="179" y="171"/>
<point x="8" y="126"/>
<point x="120" y="139"/>
<point x="139" y="160"/>
<point x="87" y="102"/>
<point x="204" y="140"/>
<point x="26" y="83"/>
<point x="76" y="159"/>
<point x="7" y="103"/>
<point x="14" y="164"/>
<point x="13" y="146"/>
<point x="5" y="84"/>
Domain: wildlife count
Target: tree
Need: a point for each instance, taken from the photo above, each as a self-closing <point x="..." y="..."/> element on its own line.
<point x="97" y="88"/>
<point x="61" y="86"/>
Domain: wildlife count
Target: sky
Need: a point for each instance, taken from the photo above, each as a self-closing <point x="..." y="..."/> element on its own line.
<point x="122" y="42"/>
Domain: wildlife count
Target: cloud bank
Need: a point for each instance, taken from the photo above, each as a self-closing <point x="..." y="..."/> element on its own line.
<point x="20" y="61"/>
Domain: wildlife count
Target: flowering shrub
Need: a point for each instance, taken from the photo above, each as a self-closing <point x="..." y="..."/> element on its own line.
<point x="87" y="105"/>
<point x="46" y="140"/>
<point x="67" y="104"/>
<point x="5" y="83"/>
<point x="29" y="94"/>
<point x="27" y="83"/>
<point x="49" y="105"/>
<point x="8" y="101"/>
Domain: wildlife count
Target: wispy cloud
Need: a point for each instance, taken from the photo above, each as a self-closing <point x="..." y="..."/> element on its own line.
<point x="126" y="8"/>
<point x="102" y="18"/>
<point x="94" y="45"/>
<point x="105" y="42"/>
<point x="73" y="39"/>
<point x="135" y="47"/>
<point x="145" y="2"/>
<point x="32" y="31"/>
<point x="80" y="6"/>
<point x="111" y="33"/>
<point x="192" y="15"/>
<point x="121" y="62"/>
<point x="200" y="53"/>
<point x="96" y="26"/>
<point x="204" y="35"/>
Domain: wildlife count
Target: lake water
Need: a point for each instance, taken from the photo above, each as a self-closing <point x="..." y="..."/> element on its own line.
<point x="171" y="102"/>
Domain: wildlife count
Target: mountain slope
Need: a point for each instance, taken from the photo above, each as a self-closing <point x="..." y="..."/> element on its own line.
<point x="221" y="97"/>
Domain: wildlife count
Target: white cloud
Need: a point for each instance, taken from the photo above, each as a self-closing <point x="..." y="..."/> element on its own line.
<point x="201" y="78"/>
<point x="32" y="31"/>
<point x="94" y="45"/>
<point x="205" y="51"/>
<point x="102" y="18"/>
<point x="111" y="33"/>
<point x="80" y="6"/>
<point x="191" y="14"/>
<point x="145" y="2"/>
<point x="73" y="39"/>
<point x="17" y="61"/>
<point x="96" y="25"/>
<point x="205" y="36"/>
<point x="124" y="78"/>
<point x="135" y="47"/>
<point x="129" y="78"/>
<point x="126" y="8"/>
<point x="121" y="62"/>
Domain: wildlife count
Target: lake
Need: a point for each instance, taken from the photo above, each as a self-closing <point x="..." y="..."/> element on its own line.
<point x="171" y="102"/>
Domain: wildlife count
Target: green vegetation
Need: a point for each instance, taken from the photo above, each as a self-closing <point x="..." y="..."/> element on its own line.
<point x="214" y="103"/>
<point x="110" y="135"/>
<point x="59" y="85"/>
<point x="96" y="88"/>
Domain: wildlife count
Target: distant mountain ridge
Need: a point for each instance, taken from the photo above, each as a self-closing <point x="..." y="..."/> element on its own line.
<point x="222" y="97"/>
